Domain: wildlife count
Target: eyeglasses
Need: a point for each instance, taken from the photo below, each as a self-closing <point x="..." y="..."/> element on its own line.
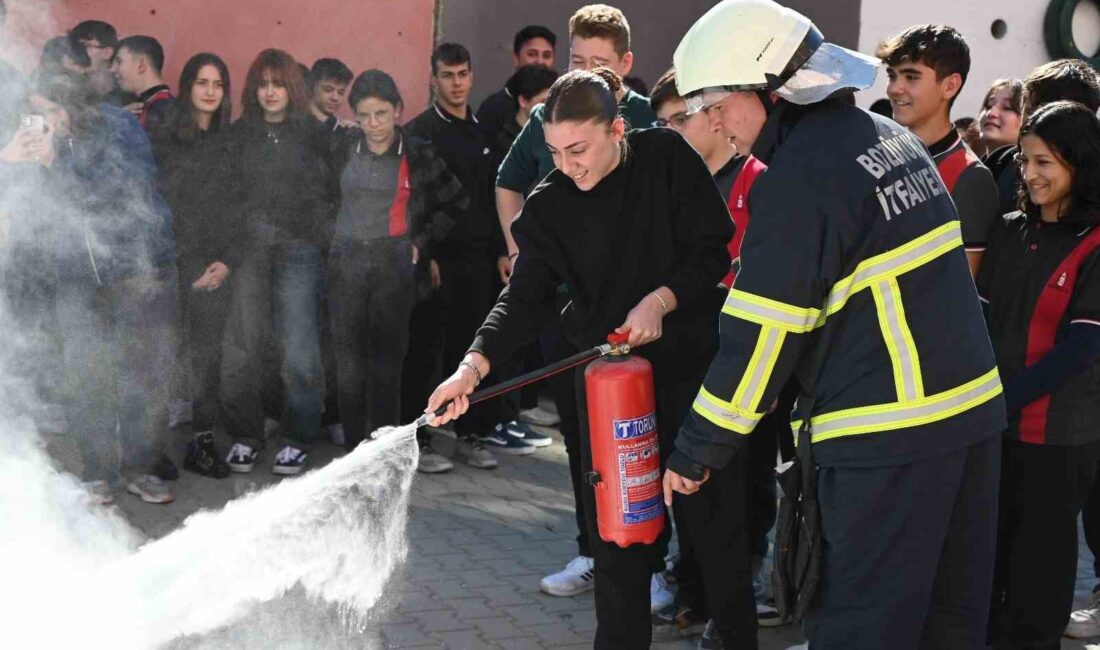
<point x="676" y="121"/>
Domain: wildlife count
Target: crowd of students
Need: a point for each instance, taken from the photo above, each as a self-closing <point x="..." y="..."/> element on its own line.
<point x="201" y="274"/>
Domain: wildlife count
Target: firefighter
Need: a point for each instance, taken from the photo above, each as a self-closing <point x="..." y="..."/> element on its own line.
<point x="853" y="280"/>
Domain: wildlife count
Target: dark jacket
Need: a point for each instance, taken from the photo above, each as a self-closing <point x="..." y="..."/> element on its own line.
<point x="852" y="266"/>
<point x="117" y="224"/>
<point x="195" y="179"/>
<point x="468" y="152"/>
<point x="284" y="178"/>
<point x="1006" y="172"/>
<point x="1043" y="355"/>
<point x="437" y="200"/>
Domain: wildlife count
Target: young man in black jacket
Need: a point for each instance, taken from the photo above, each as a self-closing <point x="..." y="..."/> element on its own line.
<point x="533" y="45"/>
<point x="137" y="66"/>
<point x="467" y="260"/>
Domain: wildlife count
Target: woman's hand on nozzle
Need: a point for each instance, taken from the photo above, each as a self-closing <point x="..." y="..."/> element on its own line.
<point x="454" y="391"/>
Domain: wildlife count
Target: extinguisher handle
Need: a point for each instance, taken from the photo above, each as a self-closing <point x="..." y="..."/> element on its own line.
<point x="529" y="378"/>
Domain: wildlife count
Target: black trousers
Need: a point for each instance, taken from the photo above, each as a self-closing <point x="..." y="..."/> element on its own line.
<point x="715" y="517"/>
<point x="443" y="326"/>
<point x="203" y="315"/>
<point x="1043" y="488"/>
<point x="371" y="292"/>
<point x="1090" y="519"/>
<point x="908" y="553"/>
<point x="745" y="492"/>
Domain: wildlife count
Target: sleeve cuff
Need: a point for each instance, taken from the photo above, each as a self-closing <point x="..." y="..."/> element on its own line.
<point x="683" y="465"/>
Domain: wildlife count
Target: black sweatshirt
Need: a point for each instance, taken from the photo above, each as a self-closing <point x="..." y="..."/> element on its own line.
<point x="283" y="174"/>
<point x="195" y="181"/>
<point x="656" y="220"/>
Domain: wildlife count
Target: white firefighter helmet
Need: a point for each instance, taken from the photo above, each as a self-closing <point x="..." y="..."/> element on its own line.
<point x="759" y="45"/>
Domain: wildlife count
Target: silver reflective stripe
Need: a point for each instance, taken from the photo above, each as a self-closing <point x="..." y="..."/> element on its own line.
<point x="772" y="316"/>
<point x="726" y="418"/>
<point x="767" y="349"/>
<point x="892" y="266"/>
<point x="897" y="416"/>
<point x="902" y="354"/>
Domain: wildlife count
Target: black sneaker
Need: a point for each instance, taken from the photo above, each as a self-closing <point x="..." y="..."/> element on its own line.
<point x="500" y="442"/>
<point x="289" y="461"/>
<point x="165" y="469"/>
<point x="203" y="459"/>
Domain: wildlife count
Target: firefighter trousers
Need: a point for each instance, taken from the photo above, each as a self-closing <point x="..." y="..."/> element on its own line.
<point x="908" y="553"/>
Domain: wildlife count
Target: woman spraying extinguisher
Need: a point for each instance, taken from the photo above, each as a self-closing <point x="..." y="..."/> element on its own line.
<point x="635" y="228"/>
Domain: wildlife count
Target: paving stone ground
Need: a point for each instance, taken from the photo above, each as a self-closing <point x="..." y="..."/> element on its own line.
<point x="479" y="543"/>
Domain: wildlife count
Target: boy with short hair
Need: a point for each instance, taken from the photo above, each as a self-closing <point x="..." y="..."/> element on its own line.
<point x="100" y="40"/>
<point x="328" y="80"/>
<point x="927" y="67"/>
<point x="137" y="66"/>
<point x="533" y="45"/>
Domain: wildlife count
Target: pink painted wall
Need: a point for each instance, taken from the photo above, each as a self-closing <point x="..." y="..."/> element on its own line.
<point x="393" y="36"/>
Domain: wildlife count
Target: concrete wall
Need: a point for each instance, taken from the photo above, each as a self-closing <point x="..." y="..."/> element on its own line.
<point x="395" y="36"/>
<point x="486" y="27"/>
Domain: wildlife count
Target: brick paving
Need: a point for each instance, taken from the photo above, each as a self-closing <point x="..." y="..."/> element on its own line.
<point x="479" y="541"/>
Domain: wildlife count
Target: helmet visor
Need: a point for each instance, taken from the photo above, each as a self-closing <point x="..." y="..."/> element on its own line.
<point x="831" y="69"/>
<point x="706" y="98"/>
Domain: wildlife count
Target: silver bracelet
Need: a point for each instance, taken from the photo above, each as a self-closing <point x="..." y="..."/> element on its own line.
<point x="664" y="305"/>
<point x="477" y="373"/>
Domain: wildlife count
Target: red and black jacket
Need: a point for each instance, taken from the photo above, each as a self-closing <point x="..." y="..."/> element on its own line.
<point x="734" y="181"/>
<point x="1039" y="281"/>
<point x="972" y="188"/>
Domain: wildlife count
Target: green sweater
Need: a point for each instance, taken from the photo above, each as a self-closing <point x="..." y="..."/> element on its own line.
<point x="529" y="161"/>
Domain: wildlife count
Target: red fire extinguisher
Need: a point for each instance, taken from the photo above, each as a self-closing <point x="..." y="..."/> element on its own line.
<point x="626" y="459"/>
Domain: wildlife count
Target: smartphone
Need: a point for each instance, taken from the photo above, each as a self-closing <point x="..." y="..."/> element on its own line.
<point x="33" y="123"/>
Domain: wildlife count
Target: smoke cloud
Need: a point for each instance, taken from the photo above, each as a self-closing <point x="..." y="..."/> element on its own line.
<point x="302" y="563"/>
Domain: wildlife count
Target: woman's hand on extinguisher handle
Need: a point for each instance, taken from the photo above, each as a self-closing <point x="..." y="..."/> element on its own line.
<point x="454" y="391"/>
<point x="675" y="483"/>
<point x="646" y="321"/>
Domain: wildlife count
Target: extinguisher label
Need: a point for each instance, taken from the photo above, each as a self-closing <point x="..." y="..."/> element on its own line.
<point x="639" y="469"/>
<point x="636" y="427"/>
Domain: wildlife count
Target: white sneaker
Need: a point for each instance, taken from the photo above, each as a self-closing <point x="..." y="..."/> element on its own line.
<point x="578" y="577"/>
<point x="659" y="595"/>
<point x="800" y="646"/>
<point x="99" y="492"/>
<point x="539" y="416"/>
<point x="1085" y="623"/>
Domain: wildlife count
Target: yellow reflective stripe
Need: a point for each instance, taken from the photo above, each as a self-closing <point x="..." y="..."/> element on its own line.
<point x="724" y="414"/>
<point x="898" y="261"/>
<point x="893" y="263"/>
<point x="899" y="340"/>
<point x="889" y="417"/>
<point x="759" y="370"/>
<point x="770" y="313"/>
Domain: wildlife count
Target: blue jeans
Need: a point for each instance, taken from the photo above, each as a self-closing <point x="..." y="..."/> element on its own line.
<point x="276" y="292"/>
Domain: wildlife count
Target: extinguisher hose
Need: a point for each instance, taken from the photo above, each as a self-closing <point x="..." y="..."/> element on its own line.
<point x="529" y="378"/>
